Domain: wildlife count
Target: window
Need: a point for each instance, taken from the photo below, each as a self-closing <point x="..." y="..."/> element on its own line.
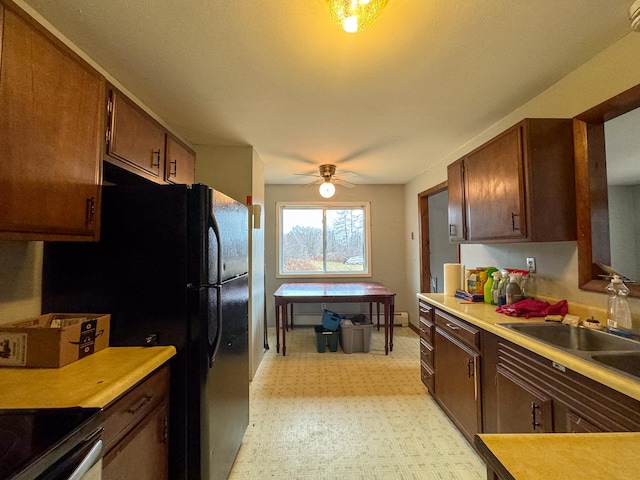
<point x="320" y="240"/>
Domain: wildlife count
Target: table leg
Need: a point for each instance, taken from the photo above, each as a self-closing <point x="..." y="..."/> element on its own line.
<point x="391" y="322"/>
<point x="378" y="314"/>
<point x="277" y="328"/>
<point x="285" y="321"/>
<point x="386" y="328"/>
<point x="291" y="316"/>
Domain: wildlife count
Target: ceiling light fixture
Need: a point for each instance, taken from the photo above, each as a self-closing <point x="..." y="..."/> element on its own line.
<point x="355" y="15"/>
<point x="327" y="189"/>
<point x="634" y="15"/>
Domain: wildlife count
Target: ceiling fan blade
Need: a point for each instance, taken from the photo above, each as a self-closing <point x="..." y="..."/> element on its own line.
<point x="342" y="183"/>
<point x="306" y="175"/>
<point x="315" y="182"/>
<point x="347" y="172"/>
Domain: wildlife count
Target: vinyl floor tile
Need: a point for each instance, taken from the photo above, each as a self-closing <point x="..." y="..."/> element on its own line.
<point x="359" y="416"/>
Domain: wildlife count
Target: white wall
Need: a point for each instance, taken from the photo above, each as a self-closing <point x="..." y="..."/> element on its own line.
<point x="613" y="71"/>
<point x="387" y="239"/>
<point x="239" y="173"/>
<point x="20" y="280"/>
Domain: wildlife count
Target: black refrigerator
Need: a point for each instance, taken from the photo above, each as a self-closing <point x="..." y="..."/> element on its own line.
<point x="171" y="269"/>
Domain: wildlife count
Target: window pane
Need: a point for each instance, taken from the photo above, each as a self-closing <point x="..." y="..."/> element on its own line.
<point x="345" y="240"/>
<point x="302" y="240"/>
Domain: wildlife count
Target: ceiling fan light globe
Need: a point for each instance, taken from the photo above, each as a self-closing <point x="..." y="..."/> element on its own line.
<point x="355" y="15"/>
<point x="327" y="189"/>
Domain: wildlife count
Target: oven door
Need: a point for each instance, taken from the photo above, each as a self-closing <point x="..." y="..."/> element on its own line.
<point x="83" y="462"/>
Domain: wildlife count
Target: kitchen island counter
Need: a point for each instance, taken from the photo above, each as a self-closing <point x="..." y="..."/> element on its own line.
<point x="485" y="316"/>
<point x="94" y="381"/>
<point x="574" y="456"/>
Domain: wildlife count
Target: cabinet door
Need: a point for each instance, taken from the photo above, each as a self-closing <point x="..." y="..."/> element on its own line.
<point x="494" y="189"/>
<point x="142" y="454"/>
<point x="135" y="138"/>
<point x="457" y="382"/>
<point x="180" y="165"/>
<point x="521" y="407"/>
<point x="51" y="119"/>
<point x="455" y="182"/>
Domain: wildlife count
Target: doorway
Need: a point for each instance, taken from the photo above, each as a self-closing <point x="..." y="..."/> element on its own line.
<point x="435" y="248"/>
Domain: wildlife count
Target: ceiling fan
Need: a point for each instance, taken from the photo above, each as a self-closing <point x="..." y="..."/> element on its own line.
<point x="327" y="178"/>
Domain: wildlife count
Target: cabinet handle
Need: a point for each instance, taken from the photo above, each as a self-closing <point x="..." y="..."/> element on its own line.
<point x="470" y="367"/>
<point x="145" y="400"/>
<point x="476" y="387"/>
<point x="156" y="153"/>
<point x="453" y="327"/>
<point x="513" y="221"/>
<point x="452" y="229"/>
<point x="91" y="210"/>
<point x="534" y="407"/>
<point x="174" y="171"/>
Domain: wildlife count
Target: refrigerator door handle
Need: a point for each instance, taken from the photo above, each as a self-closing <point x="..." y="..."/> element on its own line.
<point x="213" y="349"/>
<point x="213" y="224"/>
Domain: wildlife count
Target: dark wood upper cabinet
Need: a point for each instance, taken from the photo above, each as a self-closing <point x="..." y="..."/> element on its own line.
<point x="139" y="144"/>
<point x="180" y="165"/>
<point x="135" y="141"/>
<point x="51" y="135"/>
<point x="457" y="223"/>
<point x="519" y="186"/>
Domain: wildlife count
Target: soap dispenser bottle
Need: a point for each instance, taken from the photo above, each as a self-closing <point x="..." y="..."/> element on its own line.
<point x="618" y="312"/>
<point x="513" y="291"/>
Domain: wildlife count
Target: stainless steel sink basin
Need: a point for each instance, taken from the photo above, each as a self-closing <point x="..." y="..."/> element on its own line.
<point x="627" y="362"/>
<point x="574" y="338"/>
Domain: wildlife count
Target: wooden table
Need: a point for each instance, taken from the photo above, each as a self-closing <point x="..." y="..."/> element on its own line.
<point x="360" y="292"/>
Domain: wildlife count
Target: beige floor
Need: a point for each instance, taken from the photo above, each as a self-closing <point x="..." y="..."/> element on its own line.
<point x="363" y="416"/>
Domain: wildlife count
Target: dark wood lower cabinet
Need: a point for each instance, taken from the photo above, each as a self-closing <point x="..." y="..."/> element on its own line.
<point x="521" y="407"/>
<point x="142" y="454"/>
<point x="528" y="389"/>
<point x="487" y="384"/>
<point x="457" y="383"/>
<point x="136" y="431"/>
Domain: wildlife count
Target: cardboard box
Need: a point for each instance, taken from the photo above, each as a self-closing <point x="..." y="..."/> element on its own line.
<point x="53" y="340"/>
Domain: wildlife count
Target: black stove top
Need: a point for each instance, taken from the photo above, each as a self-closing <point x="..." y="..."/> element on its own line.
<point x="31" y="440"/>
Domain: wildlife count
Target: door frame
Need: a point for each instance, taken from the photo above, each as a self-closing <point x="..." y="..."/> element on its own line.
<point x="425" y="245"/>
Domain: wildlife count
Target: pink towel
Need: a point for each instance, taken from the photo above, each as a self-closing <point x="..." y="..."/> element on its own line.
<point x="530" y="307"/>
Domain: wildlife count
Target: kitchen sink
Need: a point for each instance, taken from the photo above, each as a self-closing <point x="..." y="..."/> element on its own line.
<point x="595" y="346"/>
<point x="627" y="362"/>
<point x="574" y="338"/>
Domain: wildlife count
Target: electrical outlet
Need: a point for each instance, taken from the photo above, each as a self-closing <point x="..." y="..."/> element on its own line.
<point x="323" y="306"/>
<point x="531" y="264"/>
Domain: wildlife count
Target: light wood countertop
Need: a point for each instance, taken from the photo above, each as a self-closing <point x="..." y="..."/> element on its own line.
<point x="574" y="456"/>
<point x="94" y="381"/>
<point x="485" y="316"/>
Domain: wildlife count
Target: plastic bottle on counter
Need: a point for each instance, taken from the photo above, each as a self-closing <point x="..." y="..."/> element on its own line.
<point x="502" y="288"/>
<point x="497" y="276"/>
<point x="528" y="285"/>
<point x="513" y="291"/>
<point x="618" y="312"/>
<point x="488" y="284"/>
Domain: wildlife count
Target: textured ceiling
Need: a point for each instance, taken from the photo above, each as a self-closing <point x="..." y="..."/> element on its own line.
<point x="278" y="75"/>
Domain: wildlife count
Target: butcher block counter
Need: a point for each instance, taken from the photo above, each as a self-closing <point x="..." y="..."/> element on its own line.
<point x="94" y="381"/>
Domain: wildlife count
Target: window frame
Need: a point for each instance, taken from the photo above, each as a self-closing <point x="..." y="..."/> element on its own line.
<point x="366" y="206"/>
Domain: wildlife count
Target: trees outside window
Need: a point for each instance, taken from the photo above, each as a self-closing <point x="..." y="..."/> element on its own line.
<point x="323" y="240"/>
